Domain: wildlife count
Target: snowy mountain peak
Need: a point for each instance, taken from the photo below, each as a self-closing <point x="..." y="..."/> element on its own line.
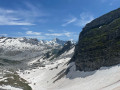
<point x="10" y="40"/>
<point x="32" y="41"/>
<point x="58" y="41"/>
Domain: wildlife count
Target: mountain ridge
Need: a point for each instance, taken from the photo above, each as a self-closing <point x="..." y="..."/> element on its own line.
<point x="35" y="41"/>
<point x="98" y="43"/>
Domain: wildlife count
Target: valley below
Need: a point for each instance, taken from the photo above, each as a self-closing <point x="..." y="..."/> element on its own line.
<point x="59" y="74"/>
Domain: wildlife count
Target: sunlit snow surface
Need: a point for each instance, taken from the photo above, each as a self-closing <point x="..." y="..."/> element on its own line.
<point x="9" y="88"/>
<point x="42" y="78"/>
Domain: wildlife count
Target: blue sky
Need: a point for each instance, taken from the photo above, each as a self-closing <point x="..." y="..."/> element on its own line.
<point x="48" y="19"/>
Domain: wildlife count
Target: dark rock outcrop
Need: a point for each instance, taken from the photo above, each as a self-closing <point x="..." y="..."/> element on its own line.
<point x="67" y="46"/>
<point x="99" y="43"/>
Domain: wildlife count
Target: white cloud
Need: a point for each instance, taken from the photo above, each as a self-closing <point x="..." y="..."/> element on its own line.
<point x="80" y="21"/>
<point x="4" y="11"/>
<point x="10" y="17"/>
<point x="64" y="33"/>
<point x="21" y="16"/>
<point x="84" y="19"/>
<point x="33" y="33"/>
<point x="54" y="34"/>
<point x="7" y="20"/>
<point x="3" y="34"/>
<point x="19" y="33"/>
<point x="38" y="37"/>
<point x="68" y="34"/>
<point x="69" y="21"/>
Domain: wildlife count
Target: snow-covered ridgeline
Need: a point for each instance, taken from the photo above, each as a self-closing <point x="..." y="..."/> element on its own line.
<point x="23" y="48"/>
<point x="26" y="44"/>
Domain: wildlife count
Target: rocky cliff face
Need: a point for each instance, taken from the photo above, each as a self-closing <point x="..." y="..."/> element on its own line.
<point x="99" y="43"/>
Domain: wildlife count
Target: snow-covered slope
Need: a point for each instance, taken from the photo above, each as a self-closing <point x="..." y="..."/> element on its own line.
<point x="9" y="88"/>
<point x="44" y="77"/>
<point x="59" y="75"/>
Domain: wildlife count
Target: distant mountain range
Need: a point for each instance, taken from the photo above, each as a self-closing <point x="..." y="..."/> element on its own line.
<point x="15" y="50"/>
<point x="32" y="41"/>
<point x="24" y="48"/>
